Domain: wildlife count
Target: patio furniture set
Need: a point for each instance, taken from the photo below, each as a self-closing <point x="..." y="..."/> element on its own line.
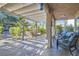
<point x="67" y="40"/>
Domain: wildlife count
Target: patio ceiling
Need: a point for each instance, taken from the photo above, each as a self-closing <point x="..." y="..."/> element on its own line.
<point x="28" y="10"/>
<point x="32" y="10"/>
<point x="67" y="10"/>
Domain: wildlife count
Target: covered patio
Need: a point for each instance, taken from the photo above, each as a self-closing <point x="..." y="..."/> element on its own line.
<point x="68" y="13"/>
<point x="45" y="45"/>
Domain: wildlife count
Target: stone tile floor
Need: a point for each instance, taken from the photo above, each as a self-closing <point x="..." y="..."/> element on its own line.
<point x="36" y="47"/>
<point x="58" y="52"/>
<point x="22" y="48"/>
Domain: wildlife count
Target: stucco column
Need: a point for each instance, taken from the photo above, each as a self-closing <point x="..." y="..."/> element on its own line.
<point x="48" y="25"/>
<point x="49" y="30"/>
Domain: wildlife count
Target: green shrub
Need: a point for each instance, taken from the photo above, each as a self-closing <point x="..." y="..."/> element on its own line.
<point x="58" y="28"/>
<point x="27" y="29"/>
<point x="41" y="30"/>
<point x="15" y="31"/>
<point x="70" y="28"/>
<point x="1" y="29"/>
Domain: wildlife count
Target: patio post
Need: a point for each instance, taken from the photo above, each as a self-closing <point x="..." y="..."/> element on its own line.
<point x="23" y="33"/>
<point x="53" y="26"/>
<point x="48" y="25"/>
<point x="36" y="28"/>
<point x="75" y="26"/>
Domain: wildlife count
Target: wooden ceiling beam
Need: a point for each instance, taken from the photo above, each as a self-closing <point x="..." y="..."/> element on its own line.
<point x="29" y="4"/>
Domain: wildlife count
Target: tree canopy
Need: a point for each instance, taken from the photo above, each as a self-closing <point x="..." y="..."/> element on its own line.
<point x="6" y="18"/>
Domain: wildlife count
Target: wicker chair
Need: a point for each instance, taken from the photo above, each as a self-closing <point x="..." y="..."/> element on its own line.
<point x="68" y="43"/>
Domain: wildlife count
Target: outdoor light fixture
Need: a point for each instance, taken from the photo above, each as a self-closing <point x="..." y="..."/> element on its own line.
<point x="41" y="5"/>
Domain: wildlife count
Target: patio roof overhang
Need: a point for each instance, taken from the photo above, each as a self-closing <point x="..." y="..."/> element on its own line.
<point x="27" y="10"/>
<point x="32" y="10"/>
<point x="65" y="10"/>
